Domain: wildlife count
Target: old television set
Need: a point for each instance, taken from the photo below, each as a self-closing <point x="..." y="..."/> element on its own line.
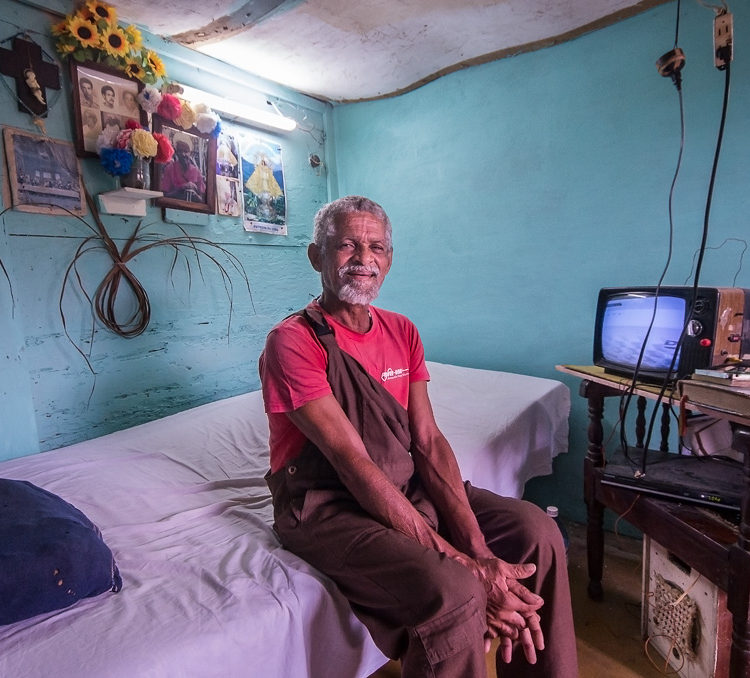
<point x="688" y="328"/>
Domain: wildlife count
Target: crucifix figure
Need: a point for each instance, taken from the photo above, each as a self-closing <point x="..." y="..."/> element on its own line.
<point x="32" y="74"/>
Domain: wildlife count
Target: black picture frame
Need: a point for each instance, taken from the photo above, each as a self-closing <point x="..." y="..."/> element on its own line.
<point x="192" y="185"/>
<point x="101" y="96"/>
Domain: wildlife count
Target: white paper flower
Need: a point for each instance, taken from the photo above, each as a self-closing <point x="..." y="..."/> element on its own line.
<point x="149" y="98"/>
<point x="107" y="137"/>
<point x="206" y="122"/>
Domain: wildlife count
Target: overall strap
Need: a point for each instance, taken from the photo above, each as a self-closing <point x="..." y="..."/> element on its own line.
<point x="381" y="421"/>
<point x="378" y="417"/>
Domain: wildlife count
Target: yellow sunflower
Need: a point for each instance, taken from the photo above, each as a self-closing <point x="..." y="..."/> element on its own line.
<point x="60" y="28"/>
<point x="85" y="14"/>
<point x="134" y="69"/>
<point x="115" y="42"/>
<point x="83" y="31"/>
<point x="156" y="64"/>
<point x="134" y="37"/>
<point x="102" y="11"/>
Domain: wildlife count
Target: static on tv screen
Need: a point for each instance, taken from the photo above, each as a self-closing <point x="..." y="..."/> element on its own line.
<point x="626" y="321"/>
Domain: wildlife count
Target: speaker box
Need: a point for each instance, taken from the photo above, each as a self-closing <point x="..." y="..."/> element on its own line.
<point x="684" y="617"/>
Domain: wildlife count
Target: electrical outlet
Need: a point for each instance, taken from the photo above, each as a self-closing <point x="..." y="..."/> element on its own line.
<point x="723" y="39"/>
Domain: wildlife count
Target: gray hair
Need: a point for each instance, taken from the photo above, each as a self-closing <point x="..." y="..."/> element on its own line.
<point x="324" y="224"/>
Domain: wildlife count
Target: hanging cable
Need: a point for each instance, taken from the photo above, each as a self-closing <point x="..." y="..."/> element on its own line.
<point x="631" y="387"/>
<point x="702" y="249"/>
<point x="669" y="65"/>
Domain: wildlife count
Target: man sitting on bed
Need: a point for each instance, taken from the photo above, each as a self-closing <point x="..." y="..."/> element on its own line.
<point x="367" y="489"/>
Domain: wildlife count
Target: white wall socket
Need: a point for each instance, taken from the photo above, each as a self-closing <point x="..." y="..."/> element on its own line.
<point x="723" y="38"/>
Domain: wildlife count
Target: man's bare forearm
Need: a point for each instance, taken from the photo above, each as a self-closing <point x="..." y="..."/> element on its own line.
<point x="324" y="423"/>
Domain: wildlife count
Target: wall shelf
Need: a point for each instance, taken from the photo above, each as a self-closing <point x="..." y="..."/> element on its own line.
<point x="128" y="201"/>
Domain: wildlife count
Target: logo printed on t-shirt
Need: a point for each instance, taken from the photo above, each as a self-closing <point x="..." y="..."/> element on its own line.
<point x="390" y="373"/>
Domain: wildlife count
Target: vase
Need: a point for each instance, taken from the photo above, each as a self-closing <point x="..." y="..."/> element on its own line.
<point x="139" y="175"/>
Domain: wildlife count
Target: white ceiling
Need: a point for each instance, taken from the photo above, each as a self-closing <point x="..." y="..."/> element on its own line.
<point x="349" y="50"/>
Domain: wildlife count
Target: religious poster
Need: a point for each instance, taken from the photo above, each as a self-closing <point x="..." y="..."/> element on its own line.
<point x="228" y="180"/>
<point x="44" y="175"/>
<point x="264" y="200"/>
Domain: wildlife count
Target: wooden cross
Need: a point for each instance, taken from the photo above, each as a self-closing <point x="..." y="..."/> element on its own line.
<point x="17" y="62"/>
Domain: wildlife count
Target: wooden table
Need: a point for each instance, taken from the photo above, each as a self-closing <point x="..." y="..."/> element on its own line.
<point x="713" y="548"/>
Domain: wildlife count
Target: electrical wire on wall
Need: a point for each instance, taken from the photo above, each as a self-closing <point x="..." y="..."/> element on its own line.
<point x="669" y="65"/>
<point x="723" y="62"/>
<point x="740" y="258"/>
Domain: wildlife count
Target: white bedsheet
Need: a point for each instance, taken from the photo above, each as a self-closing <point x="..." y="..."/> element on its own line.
<point x="207" y="589"/>
<point x="505" y="428"/>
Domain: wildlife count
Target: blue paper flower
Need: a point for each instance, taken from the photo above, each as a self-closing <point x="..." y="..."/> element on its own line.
<point x="116" y="161"/>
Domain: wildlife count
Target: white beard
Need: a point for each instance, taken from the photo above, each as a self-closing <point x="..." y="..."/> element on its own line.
<point x="351" y="293"/>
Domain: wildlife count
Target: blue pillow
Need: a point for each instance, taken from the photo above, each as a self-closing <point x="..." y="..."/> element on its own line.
<point x="51" y="554"/>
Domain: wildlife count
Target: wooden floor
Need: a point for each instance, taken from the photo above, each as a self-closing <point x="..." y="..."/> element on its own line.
<point x="608" y="631"/>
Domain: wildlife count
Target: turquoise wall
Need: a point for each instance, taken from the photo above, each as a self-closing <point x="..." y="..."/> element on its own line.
<point x="517" y="189"/>
<point x="188" y="355"/>
<point x="520" y="187"/>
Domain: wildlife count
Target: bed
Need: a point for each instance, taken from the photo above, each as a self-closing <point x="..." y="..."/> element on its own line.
<point x="207" y="589"/>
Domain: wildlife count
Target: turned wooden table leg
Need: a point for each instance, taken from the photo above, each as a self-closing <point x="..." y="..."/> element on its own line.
<point x="595" y="513"/>
<point x="666" y="417"/>
<point x="640" y="421"/>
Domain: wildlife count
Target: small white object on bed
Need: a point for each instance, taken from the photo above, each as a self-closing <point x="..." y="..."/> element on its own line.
<point x="207" y="589"/>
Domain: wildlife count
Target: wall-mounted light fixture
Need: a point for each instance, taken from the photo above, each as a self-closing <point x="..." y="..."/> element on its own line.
<point x="239" y="112"/>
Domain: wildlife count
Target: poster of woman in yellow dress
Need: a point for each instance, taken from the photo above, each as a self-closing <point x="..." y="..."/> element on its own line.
<point x="263" y="190"/>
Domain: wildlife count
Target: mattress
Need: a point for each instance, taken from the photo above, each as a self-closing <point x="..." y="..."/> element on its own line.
<point x="207" y="589"/>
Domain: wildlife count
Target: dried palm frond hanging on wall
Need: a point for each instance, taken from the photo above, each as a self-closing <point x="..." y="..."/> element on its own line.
<point x="191" y="248"/>
<point x="10" y="288"/>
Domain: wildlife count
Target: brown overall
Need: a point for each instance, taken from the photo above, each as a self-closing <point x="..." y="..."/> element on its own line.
<point x="419" y="605"/>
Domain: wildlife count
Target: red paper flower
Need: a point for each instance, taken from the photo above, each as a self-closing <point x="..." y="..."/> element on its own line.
<point x="165" y="150"/>
<point x="123" y="139"/>
<point x="169" y="107"/>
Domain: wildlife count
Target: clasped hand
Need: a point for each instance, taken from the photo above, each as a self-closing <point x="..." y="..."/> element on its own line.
<point x="511" y="607"/>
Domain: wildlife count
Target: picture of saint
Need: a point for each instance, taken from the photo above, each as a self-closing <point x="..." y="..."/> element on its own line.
<point x="265" y="187"/>
<point x="228" y="193"/>
<point x="264" y="200"/>
<point x="227" y="160"/>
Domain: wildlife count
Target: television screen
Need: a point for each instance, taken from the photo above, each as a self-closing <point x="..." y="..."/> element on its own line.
<point x="626" y="321"/>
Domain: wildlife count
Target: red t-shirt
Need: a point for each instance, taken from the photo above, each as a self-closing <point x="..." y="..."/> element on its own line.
<point x="293" y="368"/>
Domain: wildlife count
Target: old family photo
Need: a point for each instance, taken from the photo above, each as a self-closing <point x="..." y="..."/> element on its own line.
<point x="104" y="100"/>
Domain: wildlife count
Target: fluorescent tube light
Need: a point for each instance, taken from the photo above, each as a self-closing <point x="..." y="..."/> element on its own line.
<point x="234" y="110"/>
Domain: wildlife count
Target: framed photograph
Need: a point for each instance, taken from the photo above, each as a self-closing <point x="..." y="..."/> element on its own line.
<point x="188" y="181"/>
<point x="102" y="96"/>
<point x="44" y="175"/>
